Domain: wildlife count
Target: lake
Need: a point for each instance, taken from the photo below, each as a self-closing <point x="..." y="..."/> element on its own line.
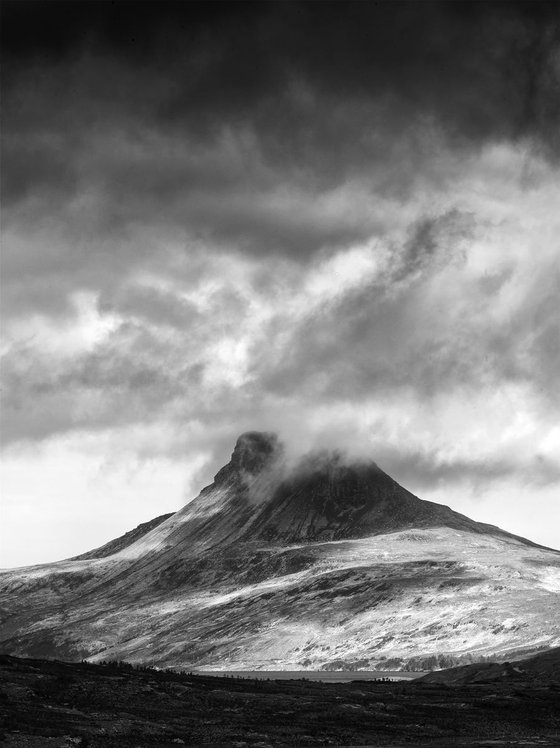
<point x="325" y="676"/>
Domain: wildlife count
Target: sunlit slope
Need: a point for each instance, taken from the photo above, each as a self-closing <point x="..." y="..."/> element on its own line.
<point x="319" y="565"/>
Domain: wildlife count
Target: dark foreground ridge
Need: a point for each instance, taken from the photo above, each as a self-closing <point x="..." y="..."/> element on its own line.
<point x="544" y="666"/>
<point x="50" y="703"/>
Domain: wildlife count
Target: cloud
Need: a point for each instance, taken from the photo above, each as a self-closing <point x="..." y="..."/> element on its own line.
<point x="336" y="225"/>
<point x="446" y="309"/>
<point x="278" y="130"/>
<point x="483" y="68"/>
<point x="211" y="111"/>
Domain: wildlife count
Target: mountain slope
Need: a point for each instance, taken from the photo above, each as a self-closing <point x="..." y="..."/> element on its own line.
<point x="318" y="564"/>
<point x="118" y="544"/>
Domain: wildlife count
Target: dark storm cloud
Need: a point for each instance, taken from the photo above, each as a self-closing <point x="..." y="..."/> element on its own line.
<point x="264" y="128"/>
<point x="143" y="142"/>
<point x="486" y="68"/>
<point x="329" y="90"/>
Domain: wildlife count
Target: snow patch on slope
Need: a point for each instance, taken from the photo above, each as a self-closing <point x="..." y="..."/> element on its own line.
<point x="550" y="580"/>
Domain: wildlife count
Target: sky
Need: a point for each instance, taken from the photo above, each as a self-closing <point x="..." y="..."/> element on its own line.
<point x="336" y="221"/>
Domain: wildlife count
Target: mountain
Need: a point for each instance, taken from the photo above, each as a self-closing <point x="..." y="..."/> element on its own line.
<point x="283" y="564"/>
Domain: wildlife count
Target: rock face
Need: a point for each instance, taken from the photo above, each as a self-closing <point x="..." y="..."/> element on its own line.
<point x="318" y="564"/>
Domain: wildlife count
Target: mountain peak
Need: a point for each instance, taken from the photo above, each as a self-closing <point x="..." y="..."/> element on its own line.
<point x="324" y="495"/>
<point x="253" y="451"/>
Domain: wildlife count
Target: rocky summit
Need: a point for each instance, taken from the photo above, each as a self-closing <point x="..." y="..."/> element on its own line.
<point x="318" y="563"/>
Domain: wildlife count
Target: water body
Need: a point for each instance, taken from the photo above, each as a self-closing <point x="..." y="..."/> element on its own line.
<point x="325" y="676"/>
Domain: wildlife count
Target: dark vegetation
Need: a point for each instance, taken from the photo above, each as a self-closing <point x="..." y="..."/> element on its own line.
<point x="49" y="703"/>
